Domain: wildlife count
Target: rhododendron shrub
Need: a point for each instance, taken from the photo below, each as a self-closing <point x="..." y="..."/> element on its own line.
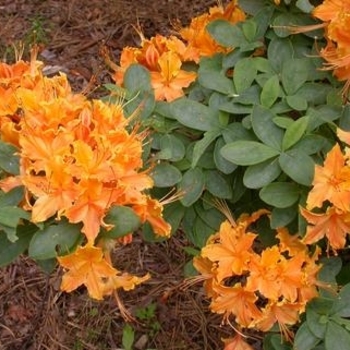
<point x="244" y="116"/>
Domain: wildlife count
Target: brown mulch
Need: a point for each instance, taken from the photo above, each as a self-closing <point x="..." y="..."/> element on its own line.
<point x="34" y="313"/>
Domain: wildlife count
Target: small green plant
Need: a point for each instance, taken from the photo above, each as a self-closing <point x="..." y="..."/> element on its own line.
<point x="37" y="33"/>
<point x="148" y="315"/>
<point x="128" y="337"/>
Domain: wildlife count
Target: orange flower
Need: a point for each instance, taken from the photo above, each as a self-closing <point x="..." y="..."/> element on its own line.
<point x="290" y="243"/>
<point x="86" y="266"/>
<point x="232" y="252"/>
<point x="169" y="81"/>
<point x="330" y="9"/>
<point x="283" y="313"/>
<point x="265" y="273"/>
<point x="334" y="224"/>
<point x="238" y="301"/>
<point x="331" y="182"/>
<point x="236" y="343"/>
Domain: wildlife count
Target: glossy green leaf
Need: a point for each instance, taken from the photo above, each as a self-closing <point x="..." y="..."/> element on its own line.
<point x="216" y="81"/>
<point x="280" y="194"/>
<point x="279" y="51"/>
<point x="171" y="148"/>
<point x="265" y="128"/>
<point x="12" y="198"/>
<point x="137" y="78"/>
<point x="248" y="152"/>
<point x="336" y="337"/>
<point x="316" y="322"/>
<point x="165" y="175"/>
<point x="342" y="303"/>
<point x="281" y="217"/>
<point x="294" y="132"/>
<point x="9" y="161"/>
<point x="270" y="92"/>
<point x="194" y="114"/>
<point x="124" y="221"/>
<point x="283" y="122"/>
<point x="305" y="339"/>
<point x="192" y="185"/>
<point x="249" y="28"/>
<point x="11" y="250"/>
<point x="294" y="74"/>
<point x="10" y="217"/>
<point x="226" y="34"/>
<point x="217" y="185"/>
<point x="221" y="163"/>
<point x="260" y="175"/>
<point x="298" y="166"/>
<point x="297" y="102"/>
<point x="311" y="144"/>
<point x="201" y="145"/>
<point x="54" y="240"/>
<point x="244" y="74"/>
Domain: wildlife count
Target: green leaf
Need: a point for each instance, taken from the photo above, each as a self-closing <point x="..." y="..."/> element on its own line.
<point x="226" y="34"/>
<point x="310" y="144"/>
<point x="298" y="166"/>
<point x="305" y="339"/>
<point x="342" y="304"/>
<point x="316" y="322"/>
<point x="9" y="161"/>
<point x="221" y="163"/>
<point x="137" y="78"/>
<point x="203" y="144"/>
<point x="194" y="115"/>
<point x="244" y="74"/>
<point x="305" y="6"/>
<point x="336" y="337"/>
<point x="192" y="185"/>
<point x="249" y="28"/>
<point x="165" y="175"/>
<point x="294" y="132"/>
<point x="260" y="175"/>
<point x="265" y="128"/>
<point x="128" y="337"/>
<point x="55" y="240"/>
<point x="10" y="251"/>
<point x="171" y="148"/>
<point x="297" y="102"/>
<point x="283" y="122"/>
<point x="279" y="51"/>
<point x="10" y="217"/>
<point x="270" y="92"/>
<point x="12" y="198"/>
<point x="248" y="152"/>
<point x="217" y="185"/>
<point x="294" y="74"/>
<point x="216" y="81"/>
<point x="124" y="220"/>
<point x="280" y="194"/>
<point x="173" y="214"/>
<point x="281" y="217"/>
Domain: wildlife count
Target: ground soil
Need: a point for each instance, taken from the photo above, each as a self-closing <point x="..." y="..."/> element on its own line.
<point x="34" y="313"/>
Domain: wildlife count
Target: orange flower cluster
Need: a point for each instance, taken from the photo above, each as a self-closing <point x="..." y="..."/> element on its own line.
<point x="78" y="158"/>
<point x="331" y="189"/>
<point x="257" y="288"/>
<point x="164" y="57"/>
<point x="336" y="15"/>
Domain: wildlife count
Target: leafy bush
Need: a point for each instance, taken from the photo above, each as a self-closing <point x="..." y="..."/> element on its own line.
<point x="238" y="127"/>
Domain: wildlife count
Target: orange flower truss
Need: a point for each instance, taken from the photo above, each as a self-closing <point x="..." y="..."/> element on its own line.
<point x="78" y="158"/>
<point x="236" y="343"/>
<point x="163" y="57"/>
<point x="331" y="185"/>
<point x="257" y="288"/>
<point x="88" y="266"/>
<point x="336" y="15"/>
